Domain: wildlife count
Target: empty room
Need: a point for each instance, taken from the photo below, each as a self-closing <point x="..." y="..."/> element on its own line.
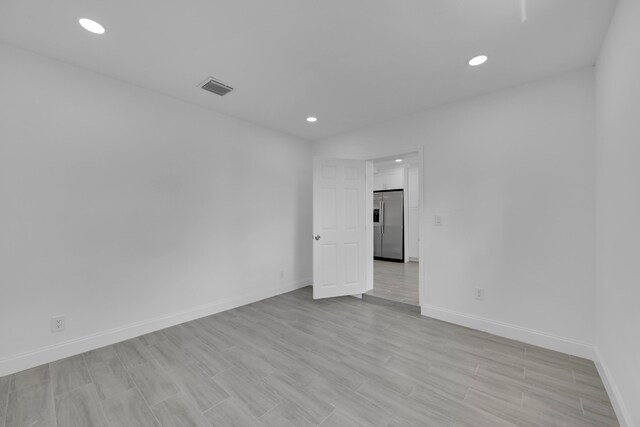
<point x="319" y="213"/>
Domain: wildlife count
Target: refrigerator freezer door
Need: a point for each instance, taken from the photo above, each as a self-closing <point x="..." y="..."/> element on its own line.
<point x="377" y="232"/>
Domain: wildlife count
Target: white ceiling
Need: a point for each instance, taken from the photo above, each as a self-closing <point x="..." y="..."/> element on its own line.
<point x="389" y="162"/>
<point x="350" y="63"/>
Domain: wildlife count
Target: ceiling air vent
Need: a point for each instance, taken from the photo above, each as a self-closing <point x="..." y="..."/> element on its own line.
<point x="212" y="85"/>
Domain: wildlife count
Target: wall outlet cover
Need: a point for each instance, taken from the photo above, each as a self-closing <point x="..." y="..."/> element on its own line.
<point x="58" y="323"/>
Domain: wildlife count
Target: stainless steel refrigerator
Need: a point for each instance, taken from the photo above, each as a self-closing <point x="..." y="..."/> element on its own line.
<point x="388" y="225"/>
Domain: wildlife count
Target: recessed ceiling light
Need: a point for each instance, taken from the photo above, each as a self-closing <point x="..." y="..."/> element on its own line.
<point x="398" y="160"/>
<point x="91" y="26"/>
<point x="312" y="119"/>
<point x="478" y="60"/>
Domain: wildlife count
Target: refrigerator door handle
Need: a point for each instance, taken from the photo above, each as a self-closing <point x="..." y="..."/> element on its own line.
<point x="382" y="217"/>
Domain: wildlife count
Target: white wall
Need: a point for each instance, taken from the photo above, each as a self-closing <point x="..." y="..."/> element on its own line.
<point x="618" y="210"/>
<point x="513" y="175"/>
<point x="126" y="210"/>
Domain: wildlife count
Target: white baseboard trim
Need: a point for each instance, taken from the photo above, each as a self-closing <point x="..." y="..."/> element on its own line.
<point x="612" y="390"/>
<point x="30" y="359"/>
<point x="507" y="330"/>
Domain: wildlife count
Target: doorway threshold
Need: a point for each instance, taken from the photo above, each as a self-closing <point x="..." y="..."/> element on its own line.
<point x="372" y="299"/>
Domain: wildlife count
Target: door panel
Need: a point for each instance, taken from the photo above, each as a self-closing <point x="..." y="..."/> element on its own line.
<point x="351" y="263"/>
<point x="329" y="208"/>
<point x="329" y="259"/>
<point x="351" y="211"/>
<point x="339" y="223"/>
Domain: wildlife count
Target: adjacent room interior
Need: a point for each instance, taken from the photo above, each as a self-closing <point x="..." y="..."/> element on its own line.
<point x="303" y="213"/>
<point x="396" y="229"/>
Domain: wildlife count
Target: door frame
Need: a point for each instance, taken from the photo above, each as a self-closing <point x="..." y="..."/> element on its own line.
<point x="421" y="212"/>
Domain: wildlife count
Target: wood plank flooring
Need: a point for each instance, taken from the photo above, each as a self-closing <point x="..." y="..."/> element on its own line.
<point x="396" y="281"/>
<point x="292" y="361"/>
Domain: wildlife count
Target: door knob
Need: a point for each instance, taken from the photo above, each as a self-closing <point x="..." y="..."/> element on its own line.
<point x="316" y="236"/>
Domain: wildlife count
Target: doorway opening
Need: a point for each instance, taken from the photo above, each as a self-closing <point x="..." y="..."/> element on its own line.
<point x="393" y="184"/>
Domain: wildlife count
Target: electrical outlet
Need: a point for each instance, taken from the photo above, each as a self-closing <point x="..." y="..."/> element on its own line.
<point x="58" y="323"/>
<point x="479" y="294"/>
<point x="437" y="221"/>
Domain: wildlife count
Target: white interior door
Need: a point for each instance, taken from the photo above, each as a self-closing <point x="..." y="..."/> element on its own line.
<point x="339" y="224"/>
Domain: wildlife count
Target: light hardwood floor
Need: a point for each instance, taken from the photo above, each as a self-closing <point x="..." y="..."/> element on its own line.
<point x="292" y="361"/>
<point x="396" y="281"/>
